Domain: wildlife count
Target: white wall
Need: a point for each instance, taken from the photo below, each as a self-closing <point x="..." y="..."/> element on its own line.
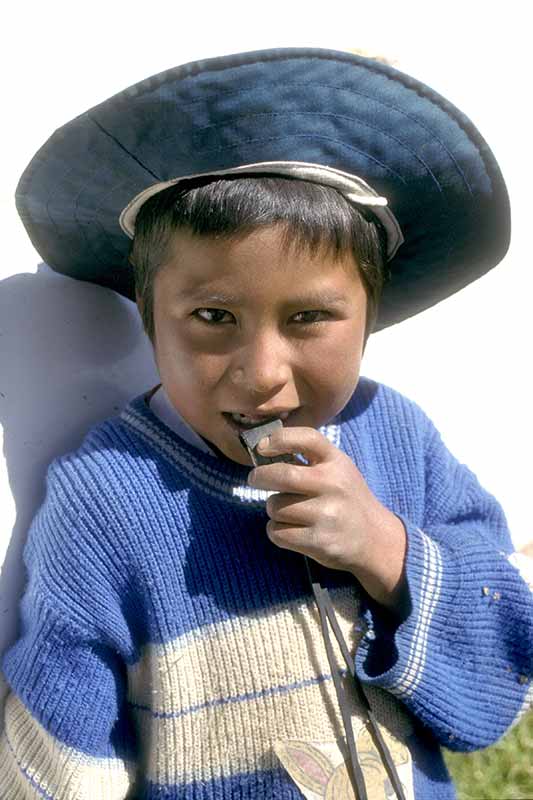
<point x="70" y="353"/>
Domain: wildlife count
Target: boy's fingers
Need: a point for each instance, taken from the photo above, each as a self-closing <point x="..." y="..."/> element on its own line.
<point x="294" y="509"/>
<point x="290" y="537"/>
<point x="283" y="477"/>
<point x="308" y="442"/>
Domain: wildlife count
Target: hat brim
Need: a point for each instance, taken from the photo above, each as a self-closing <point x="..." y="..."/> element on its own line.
<point x="339" y="110"/>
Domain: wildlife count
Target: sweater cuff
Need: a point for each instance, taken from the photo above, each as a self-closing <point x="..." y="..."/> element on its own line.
<point x="393" y="654"/>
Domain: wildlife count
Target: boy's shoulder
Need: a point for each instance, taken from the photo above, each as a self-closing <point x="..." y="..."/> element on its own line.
<point x="90" y="492"/>
<point x="379" y="403"/>
<point x="102" y="435"/>
<point x="107" y="449"/>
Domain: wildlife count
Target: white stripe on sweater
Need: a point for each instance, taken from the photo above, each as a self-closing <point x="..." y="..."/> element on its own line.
<point x="33" y="764"/>
<point x="429" y="597"/>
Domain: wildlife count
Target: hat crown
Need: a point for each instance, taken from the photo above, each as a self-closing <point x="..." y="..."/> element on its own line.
<point x="322" y="107"/>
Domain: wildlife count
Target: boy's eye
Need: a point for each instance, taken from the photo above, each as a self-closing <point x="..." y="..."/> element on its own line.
<point x="310" y="316"/>
<point x="218" y="316"/>
<point x="212" y="316"/>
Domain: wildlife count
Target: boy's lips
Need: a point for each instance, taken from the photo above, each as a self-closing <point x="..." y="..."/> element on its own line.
<point x="241" y="420"/>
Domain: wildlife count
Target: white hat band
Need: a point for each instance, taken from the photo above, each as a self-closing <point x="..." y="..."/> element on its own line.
<point x="353" y="188"/>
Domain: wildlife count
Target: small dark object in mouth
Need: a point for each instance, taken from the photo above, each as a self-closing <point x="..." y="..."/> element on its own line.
<point x="251" y="438"/>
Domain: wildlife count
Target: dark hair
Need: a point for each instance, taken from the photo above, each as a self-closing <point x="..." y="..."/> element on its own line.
<point x="311" y="215"/>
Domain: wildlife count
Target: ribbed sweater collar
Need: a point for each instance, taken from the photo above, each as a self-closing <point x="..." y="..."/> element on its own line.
<point x="220" y="477"/>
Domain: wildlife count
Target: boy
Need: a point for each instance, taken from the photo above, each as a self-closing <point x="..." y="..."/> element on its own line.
<point x="282" y="205"/>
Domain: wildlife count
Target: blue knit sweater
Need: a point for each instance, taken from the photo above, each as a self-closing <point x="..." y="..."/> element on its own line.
<point x="170" y="650"/>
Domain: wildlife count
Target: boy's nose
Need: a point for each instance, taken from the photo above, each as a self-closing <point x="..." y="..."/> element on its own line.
<point x="263" y="366"/>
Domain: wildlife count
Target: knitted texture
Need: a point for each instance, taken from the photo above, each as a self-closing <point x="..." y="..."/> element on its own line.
<point x="167" y="646"/>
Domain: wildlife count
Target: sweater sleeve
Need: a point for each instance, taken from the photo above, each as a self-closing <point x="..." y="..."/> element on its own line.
<point x="462" y="659"/>
<point x="67" y="732"/>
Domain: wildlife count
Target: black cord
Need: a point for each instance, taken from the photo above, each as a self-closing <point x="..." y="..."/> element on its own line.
<point x="357" y="777"/>
<point x="327" y="612"/>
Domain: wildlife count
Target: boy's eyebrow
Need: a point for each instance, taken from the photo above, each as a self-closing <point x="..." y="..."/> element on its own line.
<point x="205" y="295"/>
<point x="312" y="299"/>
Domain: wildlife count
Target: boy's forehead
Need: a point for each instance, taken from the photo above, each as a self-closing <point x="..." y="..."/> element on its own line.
<point x="215" y="253"/>
<point x="210" y="269"/>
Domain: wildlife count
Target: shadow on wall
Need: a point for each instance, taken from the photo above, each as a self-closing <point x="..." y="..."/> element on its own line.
<point x="71" y="355"/>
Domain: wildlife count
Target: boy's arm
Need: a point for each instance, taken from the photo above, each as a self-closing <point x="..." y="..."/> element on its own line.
<point x="462" y="659"/>
<point x="67" y="731"/>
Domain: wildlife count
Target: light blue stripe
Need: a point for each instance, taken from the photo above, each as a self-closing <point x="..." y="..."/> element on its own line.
<point x="28" y="777"/>
<point x="243" y="698"/>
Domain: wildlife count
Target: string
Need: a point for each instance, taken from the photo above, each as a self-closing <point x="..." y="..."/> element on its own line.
<point x="327" y="612"/>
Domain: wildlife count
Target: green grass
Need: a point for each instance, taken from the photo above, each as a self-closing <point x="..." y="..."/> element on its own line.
<point x="501" y="772"/>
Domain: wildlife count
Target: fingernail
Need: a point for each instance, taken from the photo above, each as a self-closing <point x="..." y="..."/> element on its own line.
<point x="251" y="476"/>
<point x="263" y="443"/>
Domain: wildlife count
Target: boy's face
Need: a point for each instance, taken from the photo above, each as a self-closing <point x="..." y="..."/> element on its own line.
<point x="249" y="326"/>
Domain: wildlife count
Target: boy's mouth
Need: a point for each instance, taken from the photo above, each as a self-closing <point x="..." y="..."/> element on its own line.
<point x="241" y="422"/>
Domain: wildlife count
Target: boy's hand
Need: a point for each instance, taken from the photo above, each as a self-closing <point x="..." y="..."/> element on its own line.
<point x="325" y="510"/>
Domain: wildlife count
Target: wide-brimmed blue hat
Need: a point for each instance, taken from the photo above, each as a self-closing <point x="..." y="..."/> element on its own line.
<point x="382" y="138"/>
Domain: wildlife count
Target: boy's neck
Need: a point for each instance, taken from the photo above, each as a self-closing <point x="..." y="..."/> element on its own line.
<point x="218" y="453"/>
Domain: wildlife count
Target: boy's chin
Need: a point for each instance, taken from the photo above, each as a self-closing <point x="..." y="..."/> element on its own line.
<point x="232" y="451"/>
<point x="244" y="459"/>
